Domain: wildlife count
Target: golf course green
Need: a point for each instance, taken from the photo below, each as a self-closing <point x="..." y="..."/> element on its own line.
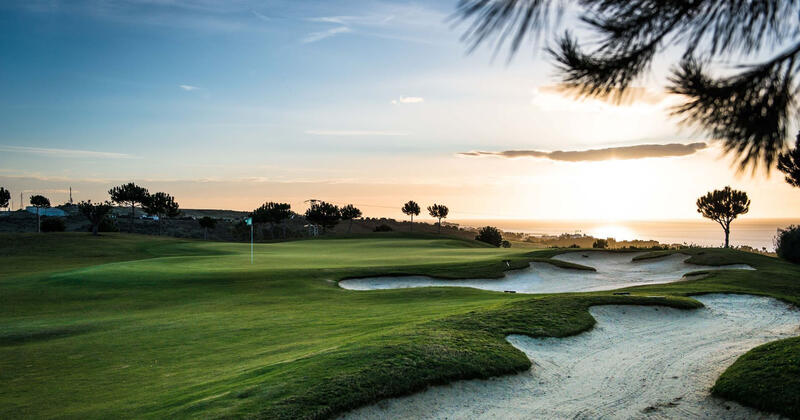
<point x="140" y="326"/>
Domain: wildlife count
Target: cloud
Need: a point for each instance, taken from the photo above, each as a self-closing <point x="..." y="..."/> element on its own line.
<point x="189" y="88"/>
<point x="65" y="153"/>
<point x="367" y="20"/>
<point x="319" y="36"/>
<point x="640" y="151"/>
<point x="393" y="22"/>
<point x="261" y="16"/>
<point x="354" y="133"/>
<point x="408" y="100"/>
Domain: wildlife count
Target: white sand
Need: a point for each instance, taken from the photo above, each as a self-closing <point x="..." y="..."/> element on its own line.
<point x="614" y="271"/>
<point x="638" y="362"/>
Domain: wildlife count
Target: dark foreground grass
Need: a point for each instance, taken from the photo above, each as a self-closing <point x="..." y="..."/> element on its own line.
<point x="128" y="326"/>
<point x="767" y="377"/>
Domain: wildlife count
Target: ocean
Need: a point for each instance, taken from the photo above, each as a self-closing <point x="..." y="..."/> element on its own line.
<point x="757" y="233"/>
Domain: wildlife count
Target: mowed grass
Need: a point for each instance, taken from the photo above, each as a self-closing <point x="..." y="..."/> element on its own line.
<point x="133" y="326"/>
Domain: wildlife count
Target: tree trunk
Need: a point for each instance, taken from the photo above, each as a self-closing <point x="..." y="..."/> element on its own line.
<point x="350" y="226"/>
<point x="727" y="237"/>
<point x="95" y="228"/>
<point x="38" y="221"/>
<point x="440" y="225"/>
<point x="411" y="229"/>
<point x="205" y="233"/>
<point x="132" y="212"/>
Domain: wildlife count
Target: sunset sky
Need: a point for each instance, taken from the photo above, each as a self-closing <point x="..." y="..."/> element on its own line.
<point x="231" y="104"/>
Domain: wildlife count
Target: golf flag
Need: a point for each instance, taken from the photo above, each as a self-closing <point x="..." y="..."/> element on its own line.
<point x="249" y="221"/>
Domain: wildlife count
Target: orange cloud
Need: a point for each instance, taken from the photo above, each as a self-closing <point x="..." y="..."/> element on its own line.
<point x="640" y="151"/>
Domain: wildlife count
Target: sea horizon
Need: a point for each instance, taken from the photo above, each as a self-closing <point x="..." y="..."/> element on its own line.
<point x="758" y="233"/>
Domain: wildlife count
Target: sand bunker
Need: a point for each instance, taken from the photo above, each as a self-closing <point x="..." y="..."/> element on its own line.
<point x="614" y="271"/>
<point x="637" y="362"/>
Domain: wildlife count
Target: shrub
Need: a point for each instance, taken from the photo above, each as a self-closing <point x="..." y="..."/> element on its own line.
<point x="106" y="225"/>
<point x="506" y="244"/>
<point x="600" y="243"/>
<point x="490" y="235"/>
<point x="53" y="224"/>
<point x="787" y="244"/>
<point x="382" y="228"/>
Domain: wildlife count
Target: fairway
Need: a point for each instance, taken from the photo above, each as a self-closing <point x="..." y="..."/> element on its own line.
<point x="136" y="326"/>
<point x="178" y="325"/>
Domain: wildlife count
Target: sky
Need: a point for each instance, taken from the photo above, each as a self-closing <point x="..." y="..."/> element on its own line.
<point x="232" y="104"/>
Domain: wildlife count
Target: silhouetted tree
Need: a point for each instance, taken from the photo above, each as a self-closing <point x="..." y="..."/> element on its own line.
<point x="207" y="223"/>
<point x="600" y="243"/>
<point x="95" y="213"/>
<point x="40" y="202"/>
<point x="438" y="211"/>
<point x="161" y="205"/>
<point x="323" y="214"/>
<point x="5" y="197"/>
<point x="490" y="235"/>
<point x="129" y="194"/>
<point x="789" y="164"/>
<point x="749" y="107"/>
<point x="411" y="209"/>
<point x="272" y="214"/>
<point x="723" y="206"/>
<point x="350" y="212"/>
<point x="787" y="244"/>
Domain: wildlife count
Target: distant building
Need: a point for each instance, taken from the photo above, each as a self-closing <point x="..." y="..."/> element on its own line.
<point x="50" y="211"/>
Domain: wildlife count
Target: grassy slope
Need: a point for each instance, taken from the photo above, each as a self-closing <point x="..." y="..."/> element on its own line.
<point x="191" y="328"/>
<point x="767" y="377"/>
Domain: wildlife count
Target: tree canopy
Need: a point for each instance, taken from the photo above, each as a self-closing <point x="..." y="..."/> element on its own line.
<point x="323" y="214"/>
<point x="723" y="206"/>
<point x="129" y="195"/>
<point x="161" y="204"/>
<point x="749" y="106"/>
<point x="411" y="208"/>
<point x="95" y="212"/>
<point x="438" y="211"/>
<point x="40" y="201"/>
<point x="271" y="213"/>
<point x="350" y="212"/>
<point x="5" y="197"/>
<point x="789" y="164"/>
<point x="490" y="235"/>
